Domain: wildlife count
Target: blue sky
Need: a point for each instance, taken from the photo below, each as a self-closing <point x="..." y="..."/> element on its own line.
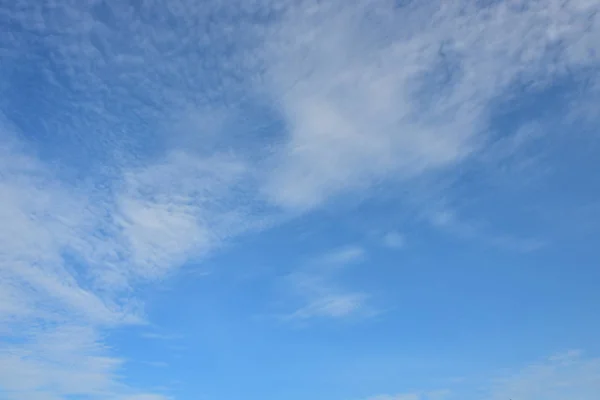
<point x="336" y="200"/>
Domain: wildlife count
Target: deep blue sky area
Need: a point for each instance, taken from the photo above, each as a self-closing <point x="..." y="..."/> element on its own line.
<point x="341" y="200"/>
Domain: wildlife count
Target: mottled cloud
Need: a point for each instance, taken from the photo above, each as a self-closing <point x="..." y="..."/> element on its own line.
<point x="374" y="91"/>
<point x="137" y="137"/>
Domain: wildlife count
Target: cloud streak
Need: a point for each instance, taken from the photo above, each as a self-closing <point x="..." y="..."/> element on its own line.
<point x="567" y="375"/>
<point x="316" y="286"/>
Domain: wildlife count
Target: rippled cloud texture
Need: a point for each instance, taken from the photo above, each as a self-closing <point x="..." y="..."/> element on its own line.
<point x="139" y="137"/>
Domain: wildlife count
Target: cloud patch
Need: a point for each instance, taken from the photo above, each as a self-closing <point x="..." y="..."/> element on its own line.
<point x="317" y="285"/>
<point x="393" y="240"/>
<point x="387" y="92"/>
<point x="566" y="375"/>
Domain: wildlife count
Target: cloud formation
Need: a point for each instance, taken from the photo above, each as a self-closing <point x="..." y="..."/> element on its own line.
<point x="385" y="92"/>
<point x="130" y="142"/>
<point x="394" y="240"/>
<point x="322" y="296"/>
<point x="567" y="375"/>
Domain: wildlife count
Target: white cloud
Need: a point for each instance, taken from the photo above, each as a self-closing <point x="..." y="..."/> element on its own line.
<point x="355" y="92"/>
<point x="158" y="364"/>
<point x="380" y="92"/>
<point x="438" y="394"/>
<point x="58" y="361"/>
<point x="160" y="336"/>
<point x="563" y="376"/>
<point x="69" y="256"/>
<point x="330" y="305"/>
<point x="447" y="220"/>
<point x="569" y="375"/>
<point x="406" y="396"/>
<point x="52" y="309"/>
<point x="317" y="285"/>
<point x="41" y="219"/>
<point x="341" y="257"/>
<point x="321" y="296"/>
<point x="176" y="210"/>
<point x="144" y="235"/>
<point x="144" y="397"/>
<point x="71" y="251"/>
<point x="431" y="395"/>
<point x="394" y="240"/>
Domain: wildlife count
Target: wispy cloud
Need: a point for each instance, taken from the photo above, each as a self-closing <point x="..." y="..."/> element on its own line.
<point x="175" y="210"/>
<point x="52" y="310"/>
<point x="393" y="240"/>
<point x="329" y="304"/>
<point x="563" y="376"/>
<point x="141" y="177"/>
<point x="62" y="361"/>
<point x="161" y="336"/>
<point x="405" y="396"/>
<point x="158" y="364"/>
<point x="317" y="285"/>
<point x="431" y="395"/>
<point x="446" y="219"/>
<point x="381" y="92"/>
<point x="144" y="397"/>
<point x="342" y="256"/>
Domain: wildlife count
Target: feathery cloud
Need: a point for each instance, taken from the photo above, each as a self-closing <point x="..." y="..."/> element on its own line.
<point x="157" y="156"/>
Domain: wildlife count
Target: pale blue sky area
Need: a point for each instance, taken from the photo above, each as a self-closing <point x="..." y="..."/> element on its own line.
<point x="291" y="200"/>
